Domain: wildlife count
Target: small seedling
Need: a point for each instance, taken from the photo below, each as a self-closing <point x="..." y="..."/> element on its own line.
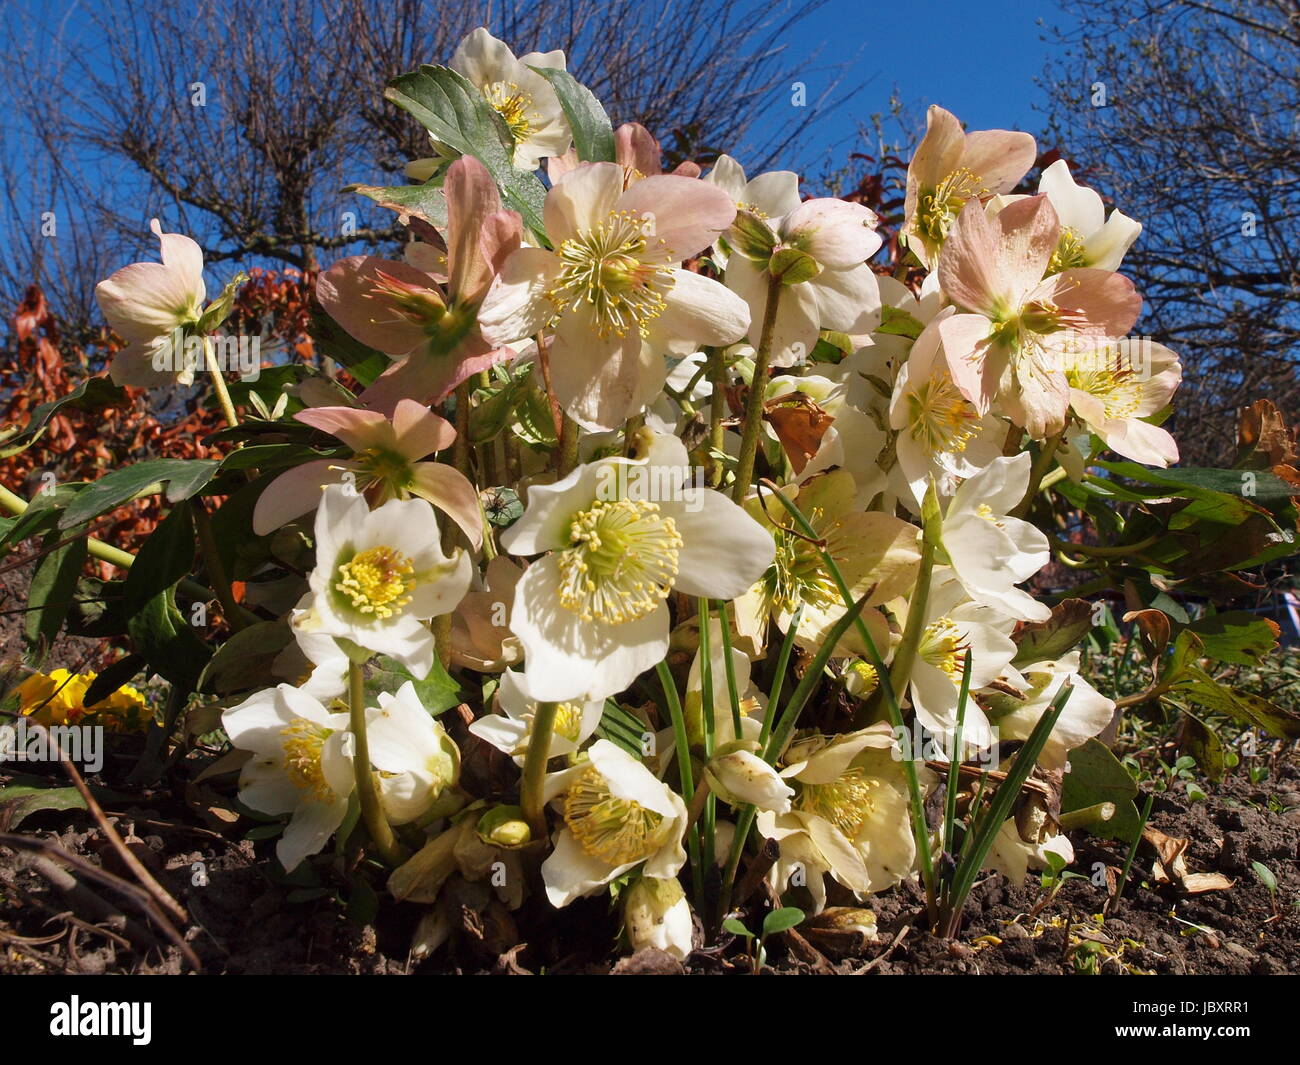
<point x="781" y="920"/>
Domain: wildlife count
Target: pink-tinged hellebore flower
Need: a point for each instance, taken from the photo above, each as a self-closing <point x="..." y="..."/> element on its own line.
<point x="820" y="252"/>
<point x="612" y="292"/>
<point x="635" y="150"/>
<point x="399" y="310"/>
<point x="1112" y="392"/>
<point x="950" y="169"/>
<point x="940" y="433"/>
<point x="385" y="465"/>
<point x="1023" y="331"/>
<point x="145" y="303"/>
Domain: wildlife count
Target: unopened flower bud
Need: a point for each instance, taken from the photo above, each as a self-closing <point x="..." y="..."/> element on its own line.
<point x="656" y="914"/>
<point x="740" y="778"/>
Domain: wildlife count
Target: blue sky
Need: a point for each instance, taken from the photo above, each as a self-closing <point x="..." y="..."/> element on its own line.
<point x="979" y="64"/>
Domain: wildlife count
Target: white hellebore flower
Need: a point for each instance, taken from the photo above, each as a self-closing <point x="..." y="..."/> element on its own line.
<point x="657" y="915"/>
<point x="991" y="552"/>
<point x="146" y="303"/>
<point x="415" y="757"/>
<point x="954" y="625"/>
<point x="379" y="576"/>
<point x="770" y="195"/>
<point x="612" y="292"/>
<point x="617" y="814"/>
<point x="741" y="777"/>
<point x="850" y="813"/>
<point x="510" y="730"/>
<point x="523" y="98"/>
<point x="618" y="536"/>
<point x="940" y="433"/>
<point x="1088" y="237"/>
<point x="1085" y="714"/>
<point x="301" y="765"/>
<point x="820" y="253"/>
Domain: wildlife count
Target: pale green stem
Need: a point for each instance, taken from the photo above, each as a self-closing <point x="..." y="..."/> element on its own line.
<point x="219" y="385"/>
<point x="753" y="426"/>
<point x="372" y="809"/>
<point x="534" y="776"/>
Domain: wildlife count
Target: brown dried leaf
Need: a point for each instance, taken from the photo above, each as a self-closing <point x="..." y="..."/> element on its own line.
<point x="800" y="424"/>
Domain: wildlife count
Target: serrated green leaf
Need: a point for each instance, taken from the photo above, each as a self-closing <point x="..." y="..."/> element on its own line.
<point x="182" y="478"/>
<point x="425" y="202"/>
<point x="593" y="135"/>
<point x="459" y="116"/>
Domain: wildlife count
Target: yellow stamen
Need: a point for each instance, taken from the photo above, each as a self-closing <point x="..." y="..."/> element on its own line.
<point x="377" y="582"/>
<point x="616" y="831"/>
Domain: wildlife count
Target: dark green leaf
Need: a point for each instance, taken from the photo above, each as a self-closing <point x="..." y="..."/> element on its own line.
<point x="425" y="202"/>
<point x="182" y="478"/>
<point x="163" y="560"/>
<point x="1045" y="641"/>
<point x="1096" y="777"/>
<point x="52" y="589"/>
<point x="460" y="117"/>
<point x="593" y="136"/>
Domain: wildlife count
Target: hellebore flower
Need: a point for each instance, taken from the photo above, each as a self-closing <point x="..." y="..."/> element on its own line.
<point x="618" y="536"/>
<point x="510" y="730"/>
<point x="399" y="310"/>
<point x="385" y="465"/>
<point x="146" y="303"/>
<point x="301" y="765"/>
<point x="612" y="291"/>
<point x="950" y="169"/>
<point x="1022" y="331"/>
<point x="379" y="576"/>
<point x="617" y="815"/>
<point x="415" y="757"/>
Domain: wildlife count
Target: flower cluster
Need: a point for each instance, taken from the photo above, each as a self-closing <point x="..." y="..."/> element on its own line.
<point x="719" y="515"/>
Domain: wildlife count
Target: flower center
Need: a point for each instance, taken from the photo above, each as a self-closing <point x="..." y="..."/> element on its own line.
<point x="377" y="582"/>
<point x="942" y="647"/>
<point x="940" y="418"/>
<point x="938" y="207"/>
<point x="615" y="271"/>
<point x="846" y="802"/>
<point x="622" y="561"/>
<point x="303" y="741"/>
<point x="404" y="303"/>
<point x="513" y="105"/>
<point x="616" y="831"/>
<point x="1070" y="252"/>
<point x="798" y="574"/>
<point x="1116" y="385"/>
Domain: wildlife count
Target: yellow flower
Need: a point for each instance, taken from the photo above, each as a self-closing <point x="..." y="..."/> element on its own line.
<point x="58" y="698"/>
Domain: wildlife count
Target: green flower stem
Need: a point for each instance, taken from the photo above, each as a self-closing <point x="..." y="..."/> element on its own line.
<point x="236" y="616"/>
<point x="1042" y="463"/>
<point x="114" y="556"/>
<point x="905" y="654"/>
<point x="916" y="800"/>
<point x="709" y="822"/>
<point x="460" y="447"/>
<point x="729" y="664"/>
<point x="954" y="758"/>
<point x="753" y="425"/>
<point x="219" y="384"/>
<point x="778" y="677"/>
<point x="372" y="810"/>
<point x="567" y="455"/>
<point x="534" y="777"/>
<point x="717" y="407"/>
<point x="683" y="745"/>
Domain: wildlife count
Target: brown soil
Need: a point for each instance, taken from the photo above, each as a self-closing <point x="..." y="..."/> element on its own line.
<point x="243" y="921"/>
